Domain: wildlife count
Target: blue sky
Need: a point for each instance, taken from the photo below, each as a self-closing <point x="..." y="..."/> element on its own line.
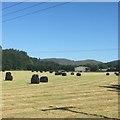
<point x="75" y="31"/>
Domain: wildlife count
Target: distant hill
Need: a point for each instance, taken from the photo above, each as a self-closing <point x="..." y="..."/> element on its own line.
<point x="19" y="60"/>
<point x="113" y="63"/>
<point x="63" y="61"/>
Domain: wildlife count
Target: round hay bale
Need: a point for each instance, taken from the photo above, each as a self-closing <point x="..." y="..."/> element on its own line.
<point x="58" y="73"/>
<point x="117" y="74"/>
<point x="35" y="79"/>
<point x="41" y="71"/>
<point x="72" y="73"/>
<point x="78" y="74"/>
<point x="32" y="71"/>
<point x="107" y="74"/>
<point x="44" y="79"/>
<point x="64" y="74"/>
<point x="50" y="71"/>
<point x="8" y="76"/>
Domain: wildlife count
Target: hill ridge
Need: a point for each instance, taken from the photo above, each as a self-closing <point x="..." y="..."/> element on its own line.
<point x="64" y="61"/>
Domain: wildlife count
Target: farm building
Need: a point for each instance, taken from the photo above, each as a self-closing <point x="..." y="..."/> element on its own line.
<point x="104" y="70"/>
<point x="82" y="69"/>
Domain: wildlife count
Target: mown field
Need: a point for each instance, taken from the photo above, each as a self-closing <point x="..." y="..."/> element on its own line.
<point x="92" y="95"/>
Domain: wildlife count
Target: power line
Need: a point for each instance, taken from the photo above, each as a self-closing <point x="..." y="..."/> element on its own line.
<point x="70" y="51"/>
<point x="18" y="3"/>
<point x="23" y="9"/>
<point x="12" y="5"/>
<point x="54" y="6"/>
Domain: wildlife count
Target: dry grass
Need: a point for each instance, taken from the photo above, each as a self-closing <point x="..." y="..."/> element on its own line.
<point x="88" y="96"/>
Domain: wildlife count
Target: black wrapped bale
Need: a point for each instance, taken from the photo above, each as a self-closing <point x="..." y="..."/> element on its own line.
<point x="64" y="74"/>
<point x="58" y="73"/>
<point x="107" y="74"/>
<point x="72" y="73"/>
<point x="44" y="79"/>
<point x="78" y="74"/>
<point x="51" y="71"/>
<point x="8" y="76"/>
<point x="41" y="71"/>
<point x="116" y="73"/>
<point x="35" y="79"/>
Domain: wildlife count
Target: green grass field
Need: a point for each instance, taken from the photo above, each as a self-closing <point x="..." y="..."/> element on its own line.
<point x="87" y="96"/>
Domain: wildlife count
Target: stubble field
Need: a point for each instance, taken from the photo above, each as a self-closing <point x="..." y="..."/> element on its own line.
<point x="92" y="95"/>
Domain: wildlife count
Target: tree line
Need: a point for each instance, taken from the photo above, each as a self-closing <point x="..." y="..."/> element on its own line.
<point x="19" y="60"/>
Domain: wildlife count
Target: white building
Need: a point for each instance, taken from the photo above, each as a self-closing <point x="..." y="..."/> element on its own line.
<point x="104" y="70"/>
